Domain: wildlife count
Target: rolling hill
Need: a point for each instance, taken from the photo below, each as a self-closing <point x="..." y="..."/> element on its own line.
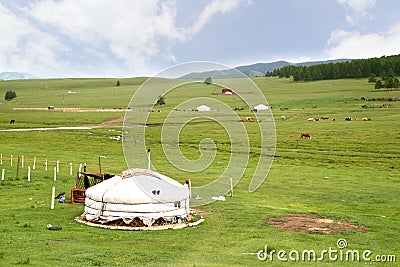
<point x="253" y="70"/>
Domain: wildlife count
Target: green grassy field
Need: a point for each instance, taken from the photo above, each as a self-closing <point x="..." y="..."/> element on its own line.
<point x="349" y="169"/>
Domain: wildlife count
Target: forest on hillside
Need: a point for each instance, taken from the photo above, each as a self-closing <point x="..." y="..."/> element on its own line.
<point x="382" y="71"/>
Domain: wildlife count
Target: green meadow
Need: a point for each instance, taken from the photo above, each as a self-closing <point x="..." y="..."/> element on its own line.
<point x="348" y="170"/>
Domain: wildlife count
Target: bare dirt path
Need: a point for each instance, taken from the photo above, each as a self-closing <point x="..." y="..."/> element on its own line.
<point x="108" y="122"/>
<point x="101" y="125"/>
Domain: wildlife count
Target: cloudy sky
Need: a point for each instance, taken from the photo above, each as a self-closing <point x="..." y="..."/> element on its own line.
<point x="126" y="38"/>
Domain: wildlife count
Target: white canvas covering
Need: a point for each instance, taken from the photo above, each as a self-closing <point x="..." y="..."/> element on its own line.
<point x="261" y="107"/>
<point x="136" y="193"/>
<point x="203" y="108"/>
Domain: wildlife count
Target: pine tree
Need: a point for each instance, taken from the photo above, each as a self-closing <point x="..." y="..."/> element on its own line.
<point x="378" y="84"/>
<point x="396" y="83"/>
<point x="208" y="80"/>
<point x="372" y="78"/>
<point x="389" y="83"/>
<point x="160" y="101"/>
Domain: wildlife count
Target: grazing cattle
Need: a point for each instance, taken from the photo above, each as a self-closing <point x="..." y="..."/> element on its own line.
<point x="305" y="135"/>
<point x="366" y="119"/>
<point x="333" y="119"/>
<point x="283" y="109"/>
<point x="313" y="119"/>
<point x="12" y="121"/>
<point x="325" y="117"/>
<point x="350" y="119"/>
<point x="251" y="119"/>
<point x="315" y="106"/>
<point x="283" y="117"/>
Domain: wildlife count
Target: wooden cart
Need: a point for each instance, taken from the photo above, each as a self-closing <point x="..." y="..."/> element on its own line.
<point x="85" y="180"/>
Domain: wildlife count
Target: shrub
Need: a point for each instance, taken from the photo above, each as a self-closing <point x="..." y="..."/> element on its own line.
<point x="208" y="80"/>
<point x="10" y="95"/>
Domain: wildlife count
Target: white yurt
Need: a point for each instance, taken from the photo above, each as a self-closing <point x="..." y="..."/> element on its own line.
<point x="138" y="197"/>
<point x="261" y="107"/>
<point x="203" y="108"/>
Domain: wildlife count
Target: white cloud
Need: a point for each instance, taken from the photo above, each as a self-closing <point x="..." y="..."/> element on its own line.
<point x="357" y="10"/>
<point x="359" y="6"/>
<point x="211" y="9"/>
<point x="63" y="37"/>
<point x="131" y="32"/>
<point x="353" y="44"/>
<point x="130" y="29"/>
<point x="23" y="46"/>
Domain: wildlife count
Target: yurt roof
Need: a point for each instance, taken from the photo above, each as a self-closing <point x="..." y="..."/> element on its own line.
<point x="203" y="107"/>
<point x="138" y="186"/>
<point x="261" y="107"/>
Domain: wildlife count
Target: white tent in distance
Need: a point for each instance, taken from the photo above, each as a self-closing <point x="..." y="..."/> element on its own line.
<point x="260" y="107"/>
<point x="203" y="108"/>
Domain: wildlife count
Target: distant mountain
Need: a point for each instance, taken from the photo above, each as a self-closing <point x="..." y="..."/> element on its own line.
<point x="215" y="74"/>
<point x="310" y="63"/>
<point x="17" y="76"/>
<point x="258" y="69"/>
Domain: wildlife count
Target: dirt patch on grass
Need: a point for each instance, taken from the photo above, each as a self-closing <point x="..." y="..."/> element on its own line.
<point x="121" y="119"/>
<point x="312" y="223"/>
<point x="203" y="212"/>
<point x="181" y="123"/>
<point x="62" y="240"/>
<point x="109" y="122"/>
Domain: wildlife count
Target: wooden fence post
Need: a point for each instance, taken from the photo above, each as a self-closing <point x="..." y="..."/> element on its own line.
<point x="55" y="174"/>
<point x="53" y="195"/>
<point x="231" y="192"/>
<point x="53" y="189"/>
<point x="18" y="162"/>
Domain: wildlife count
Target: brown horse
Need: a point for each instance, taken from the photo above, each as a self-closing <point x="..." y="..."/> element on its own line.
<point x="305" y="135"/>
